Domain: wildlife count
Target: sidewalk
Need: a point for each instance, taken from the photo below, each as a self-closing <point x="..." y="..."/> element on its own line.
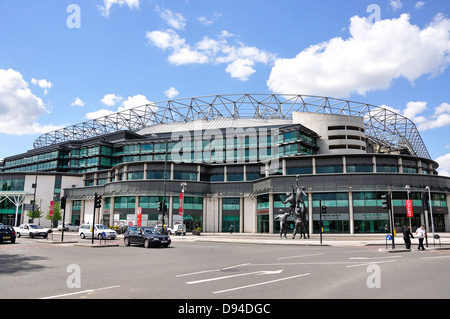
<point x="337" y="240"/>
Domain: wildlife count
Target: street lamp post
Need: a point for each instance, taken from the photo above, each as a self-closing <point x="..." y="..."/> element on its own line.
<point x="183" y="187"/>
<point x="431" y="212"/>
<point x="407" y="196"/>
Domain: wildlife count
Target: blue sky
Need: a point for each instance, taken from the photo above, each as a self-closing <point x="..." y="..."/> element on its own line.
<point x="64" y="62"/>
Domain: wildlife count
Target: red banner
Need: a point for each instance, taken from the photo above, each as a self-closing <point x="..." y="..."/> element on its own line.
<point x="52" y="206"/>
<point x="181" y="204"/>
<point x="139" y="217"/>
<point x="409" y="208"/>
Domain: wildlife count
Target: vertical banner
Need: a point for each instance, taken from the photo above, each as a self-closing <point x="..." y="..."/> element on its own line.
<point x="181" y="202"/>
<point x="139" y="217"/>
<point x="52" y="206"/>
<point x="409" y="208"/>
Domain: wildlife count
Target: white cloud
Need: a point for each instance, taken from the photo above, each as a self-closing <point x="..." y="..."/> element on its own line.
<point x="107" y="4"/>
<point x="240" y="59"/>
<point x="97" y="114"/>
<point x="444" y="165"/>
<point x="166" y="39"/>
<point x="395" y="4"/>
<point x="374" y="55"/>
<point x="439" y="118"/>
<point x="43" y="84"/>
<point x="174" y="20"/>
<point x="419" y="4"/>
<point x="209" y="20"/>
<point x="19" y="107"/>
<point x="134" y="101"/>
<point x="131" y="102"/>
<point x="171" y="93"/>
<point x="78" y="102"/>
<point x="111" y="99"/>
<point x="414" y="108"/>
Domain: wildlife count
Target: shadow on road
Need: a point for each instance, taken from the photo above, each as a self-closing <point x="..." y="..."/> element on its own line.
<point x="13" y="264"/>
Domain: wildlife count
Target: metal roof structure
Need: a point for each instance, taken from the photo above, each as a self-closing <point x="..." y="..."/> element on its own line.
<point x="383" y="126"/>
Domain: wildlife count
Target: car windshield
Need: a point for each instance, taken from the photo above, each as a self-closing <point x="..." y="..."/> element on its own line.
<point x="151" y="230"/>
<point x="35" y="226"/>
<point x="101" y="227"/>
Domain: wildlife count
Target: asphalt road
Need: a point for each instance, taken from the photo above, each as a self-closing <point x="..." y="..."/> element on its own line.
<point x="218" y="271"/>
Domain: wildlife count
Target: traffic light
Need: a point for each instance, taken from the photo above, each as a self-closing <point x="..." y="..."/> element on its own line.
<point x="98" y="200"/>
<point x="62" y="204"/>
<point x="386" y="201"/>
<point x="324" y="209"/>
<point x="160" y="206"/>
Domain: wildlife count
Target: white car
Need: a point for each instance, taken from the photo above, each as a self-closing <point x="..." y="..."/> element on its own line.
<point x="68" y="227"/>
<point x="179" y="229"/>
<point x="32" y="230"/>
<point x="85" y="231"/>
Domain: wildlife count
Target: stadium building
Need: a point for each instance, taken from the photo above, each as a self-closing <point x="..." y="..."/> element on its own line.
<point x="235" y="157"/>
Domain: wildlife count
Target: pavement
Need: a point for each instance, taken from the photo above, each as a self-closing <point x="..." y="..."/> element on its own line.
<point x="337" y="240"/>
<point x="334" y="240"/>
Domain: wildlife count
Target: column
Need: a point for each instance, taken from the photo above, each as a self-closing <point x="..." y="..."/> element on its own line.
<point x="270" y="213"/>
<point x="350" y="211"/>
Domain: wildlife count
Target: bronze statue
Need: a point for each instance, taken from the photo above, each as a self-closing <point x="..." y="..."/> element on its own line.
<point x="283" y="222"/>
<point x="297" y="207"/>
<point x="300" y="211"/>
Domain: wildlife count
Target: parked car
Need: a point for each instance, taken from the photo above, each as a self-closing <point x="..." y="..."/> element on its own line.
<point x="69" y="227"/>
<point x="32" y="230"/>
<point x="85" y="231"/>
<point x="168" y="231"/>
<point x="147" y="236"/>
<point x="179" y="229"/>
<point x="7" y="233"/>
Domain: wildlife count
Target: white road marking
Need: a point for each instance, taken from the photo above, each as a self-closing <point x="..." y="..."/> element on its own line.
<point x="281" y="258"/>
<point x="366" y="258"/>
<point x="370" y="263"/>
<point x="261" y="283"/>
<point x="435" y="257"/>
<point x="80" y="292"/>
<point x="210" y="270"/>
<point x="233" y="276"/>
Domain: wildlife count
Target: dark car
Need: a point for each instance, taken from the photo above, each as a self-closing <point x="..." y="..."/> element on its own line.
<point x="147" y="236"/>
<point x="7" y="233"/>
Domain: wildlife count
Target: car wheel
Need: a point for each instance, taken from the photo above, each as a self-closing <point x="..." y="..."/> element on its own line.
<point x="31" y="235"/>
<point x="147" y="243"/>
<point x="82" y="236"/>
<point x="100" y="237"/>
<point x="126" y="241"/>
<point x="45" y="236"/>
<point x="18" y="234"/>
<point x="13" y="241"/>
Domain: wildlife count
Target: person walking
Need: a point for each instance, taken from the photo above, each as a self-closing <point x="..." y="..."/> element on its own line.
<point x="420" y="233"/>
<point x="407" y="235"/>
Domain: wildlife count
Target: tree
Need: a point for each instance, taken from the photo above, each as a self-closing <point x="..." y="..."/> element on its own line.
<point x="36" y="213"/>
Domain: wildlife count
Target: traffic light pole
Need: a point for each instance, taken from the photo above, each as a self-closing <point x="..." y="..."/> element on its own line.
<point x="391" y="217"/>
<point x="93" y="219"/>
<point x="62" y="206"/>
<point x="320" y="218"/>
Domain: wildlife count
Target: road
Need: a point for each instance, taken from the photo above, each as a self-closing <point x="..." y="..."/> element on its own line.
<point x="187" y="270"/>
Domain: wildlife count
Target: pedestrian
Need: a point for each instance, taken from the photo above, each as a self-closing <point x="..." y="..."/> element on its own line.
<point x="420" y="233"/>
<point x="407" y="235"/>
